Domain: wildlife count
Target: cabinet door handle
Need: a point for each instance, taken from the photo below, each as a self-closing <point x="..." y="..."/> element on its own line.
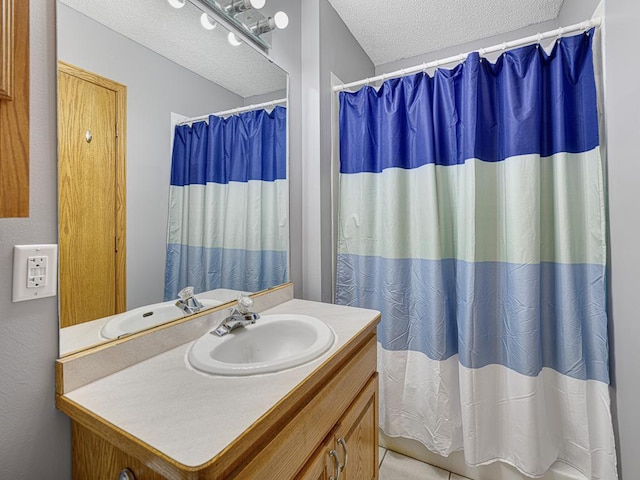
<point x="336" y="463"/>
<point x="341" y="441"/>
<point x="126" y="474"/>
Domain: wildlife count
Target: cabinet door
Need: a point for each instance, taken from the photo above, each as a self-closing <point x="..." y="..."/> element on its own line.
<point x="323" y="464"/>
<point x="96" y="459"/>
<point x="357" y="436"/>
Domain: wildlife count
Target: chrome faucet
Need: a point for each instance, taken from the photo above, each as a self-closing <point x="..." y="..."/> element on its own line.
<point x="240" y="316"/>
<point x="187" y="302"/>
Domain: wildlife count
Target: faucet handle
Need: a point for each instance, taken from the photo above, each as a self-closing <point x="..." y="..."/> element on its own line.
<point x="185" y="293"/>
<point x="244" y="304"/>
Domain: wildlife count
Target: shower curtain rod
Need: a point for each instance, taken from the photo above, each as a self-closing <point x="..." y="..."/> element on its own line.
<point x="594" y="22"/>
<point x="248" y="108"/>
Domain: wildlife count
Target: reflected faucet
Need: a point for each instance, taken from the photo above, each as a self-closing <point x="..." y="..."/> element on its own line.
<point x="187" y="302"/>
<point x="240" y="316"/>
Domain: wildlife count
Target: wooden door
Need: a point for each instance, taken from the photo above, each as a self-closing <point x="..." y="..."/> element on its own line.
<point x="91" y="195"/>
<point x="14" y="108"/>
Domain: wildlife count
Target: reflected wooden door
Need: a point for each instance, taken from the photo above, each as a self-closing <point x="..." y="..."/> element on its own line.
<point x="91" y="195"/>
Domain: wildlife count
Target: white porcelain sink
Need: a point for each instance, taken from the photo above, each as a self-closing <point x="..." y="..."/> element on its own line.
<point x="273" y="343"/>
<point x="146" y="317"/>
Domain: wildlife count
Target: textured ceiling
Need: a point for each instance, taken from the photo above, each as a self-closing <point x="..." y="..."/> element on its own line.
<point x="392" y="30"/>
<point x="178" y="36"/>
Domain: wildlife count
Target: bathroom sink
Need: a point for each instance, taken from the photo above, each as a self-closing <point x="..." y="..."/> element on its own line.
<point x="273" y="343"/>
<point x="146" y="317"/>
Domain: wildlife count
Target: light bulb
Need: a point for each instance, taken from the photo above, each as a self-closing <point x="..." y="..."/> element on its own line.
<point x="281" y="20"/>
<point x="207" y="22"/>
<point x="258" y="3"/>
<point x="233" y="40"/>
<point x="177" y="3"/>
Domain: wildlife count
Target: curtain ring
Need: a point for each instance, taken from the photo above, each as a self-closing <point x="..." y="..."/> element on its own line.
<point x="504" y="46"/>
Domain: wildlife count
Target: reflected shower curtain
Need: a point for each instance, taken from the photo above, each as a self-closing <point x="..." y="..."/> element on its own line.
<point x="471" y="214"/>
<point x="229" y="204"/>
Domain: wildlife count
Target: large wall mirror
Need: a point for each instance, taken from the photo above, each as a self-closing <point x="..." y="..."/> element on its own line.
<point x="150" y="201"/>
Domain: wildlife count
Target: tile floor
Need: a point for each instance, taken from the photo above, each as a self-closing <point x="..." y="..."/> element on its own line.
<point x="394" y="466"/>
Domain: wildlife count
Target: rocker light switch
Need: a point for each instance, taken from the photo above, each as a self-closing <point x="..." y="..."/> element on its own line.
<point x="34" y="271"/>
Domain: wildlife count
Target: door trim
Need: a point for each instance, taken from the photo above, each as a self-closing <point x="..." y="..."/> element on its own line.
<point x="121" y="180"/>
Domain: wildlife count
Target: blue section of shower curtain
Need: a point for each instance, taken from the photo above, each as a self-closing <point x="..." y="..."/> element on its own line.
<point x="523" y="316"/>
<point x="528" y="102"/>
<point x="236" y="269"/>
<point x="235" y="143"/>
<point x="447" y="307"/>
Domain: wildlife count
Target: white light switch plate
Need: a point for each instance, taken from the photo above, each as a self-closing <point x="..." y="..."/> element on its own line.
<point x="35" y="271"/>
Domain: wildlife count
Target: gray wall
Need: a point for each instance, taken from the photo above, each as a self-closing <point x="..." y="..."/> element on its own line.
<point x="328" y="47"/>
<point x="577" y="11"/>
<point x="622" y="114"/>
<point x="343" y="56"/>
<point x="287" y="53"/>
<point x="34" y="436"/>
<point x="267" y="97"/>
<point x="155" y="88"/>
<point x="310" y="174"/>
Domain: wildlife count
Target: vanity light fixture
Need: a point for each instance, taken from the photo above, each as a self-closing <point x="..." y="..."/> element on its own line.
<point x="177" y="3"/>
<point x="233" y="40"/>
<point x="258" y="3"/>
<point x="237" y="6"/>
<point x="207" y="22"/>
<point x="241" y="18"/>
<point x="280" y="20"/>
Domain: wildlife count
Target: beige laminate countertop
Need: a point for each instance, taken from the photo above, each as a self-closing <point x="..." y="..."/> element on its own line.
<point x="190" y="416"/>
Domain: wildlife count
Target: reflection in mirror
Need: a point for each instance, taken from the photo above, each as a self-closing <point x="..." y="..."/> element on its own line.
<point x="205" y="202"/>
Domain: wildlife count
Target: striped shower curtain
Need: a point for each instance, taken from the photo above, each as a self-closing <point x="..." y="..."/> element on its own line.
<point x="229" y="204"/>
<point x="472" y="215"/>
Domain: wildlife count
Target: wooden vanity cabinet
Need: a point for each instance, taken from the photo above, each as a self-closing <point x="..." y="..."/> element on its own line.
<point x="343" y="411"/>
<point x="334" y="410"/>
